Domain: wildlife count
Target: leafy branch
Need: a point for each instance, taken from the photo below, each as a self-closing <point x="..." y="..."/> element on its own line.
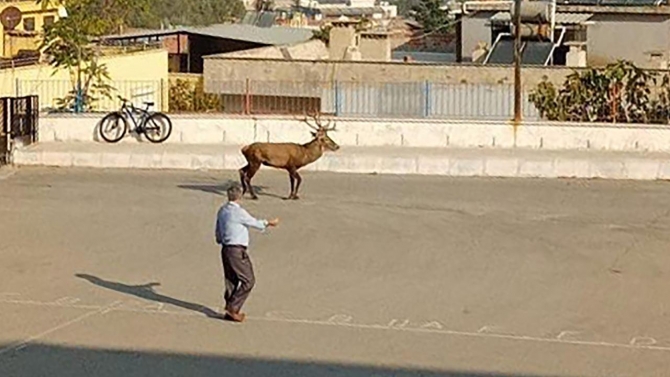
<point x="619" y="92"/>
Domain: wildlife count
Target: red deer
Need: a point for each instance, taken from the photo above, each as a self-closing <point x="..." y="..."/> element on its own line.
<point x="287" y="156"/>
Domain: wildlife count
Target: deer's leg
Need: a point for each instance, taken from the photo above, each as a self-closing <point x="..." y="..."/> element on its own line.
<point x="298" y="180"/>
<point x="292" y="179"/>
<point x="253" y="169"/>
<point x="243" y="178"/>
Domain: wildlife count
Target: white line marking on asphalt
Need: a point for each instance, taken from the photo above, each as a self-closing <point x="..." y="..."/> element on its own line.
<point x="277" y="314"/>
<point x="565" y="334"/>
<point x="638" y="343"/>
<point x="484" y="329"/>
<point x="394" y="324"/>
<point x="67" y="300"/>
<point x="24" y="343"/>
<point x="41" y="303"/>
<point x="467" y="334"/>
<point x="643" y="341"/>
<point x="339" y="318"/>
<point x="432" y="325"/>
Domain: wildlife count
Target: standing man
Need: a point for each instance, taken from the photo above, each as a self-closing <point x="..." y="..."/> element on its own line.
<point x="232" y="223"/>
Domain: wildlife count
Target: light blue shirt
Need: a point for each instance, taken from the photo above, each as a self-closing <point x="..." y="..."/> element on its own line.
<point x="232" y="223"/>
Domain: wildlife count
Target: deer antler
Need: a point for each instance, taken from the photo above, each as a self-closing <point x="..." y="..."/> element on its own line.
<point x="317" y="120"/>
<point x="328" y="127"/>
<point x="306" y="121"/>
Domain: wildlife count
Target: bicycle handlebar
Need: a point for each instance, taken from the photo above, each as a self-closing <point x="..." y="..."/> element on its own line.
<point x="132" y="106"/>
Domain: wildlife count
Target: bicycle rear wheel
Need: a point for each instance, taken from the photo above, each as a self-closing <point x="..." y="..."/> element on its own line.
<point x="157" y="127"/>
<point x="113" y="127"/>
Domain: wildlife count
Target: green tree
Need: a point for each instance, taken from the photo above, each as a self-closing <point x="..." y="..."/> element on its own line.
<point x="187" y="13"/>
<point x="619" y="92"/>
<point x="68" y="45"/>
<point x="98" y="17"/>
<point x="430" y="15"/>
<point x="405" y="6"/>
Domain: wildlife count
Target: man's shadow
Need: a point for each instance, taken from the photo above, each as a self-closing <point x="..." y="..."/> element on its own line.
<point x="146" y="291"/>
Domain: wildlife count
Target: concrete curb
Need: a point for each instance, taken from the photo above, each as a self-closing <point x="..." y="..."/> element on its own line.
<point x="444" y="162"/>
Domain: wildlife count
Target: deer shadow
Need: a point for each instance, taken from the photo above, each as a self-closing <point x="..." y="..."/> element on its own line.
<point x="146" y="292"/>
<point x="220" y="189"/>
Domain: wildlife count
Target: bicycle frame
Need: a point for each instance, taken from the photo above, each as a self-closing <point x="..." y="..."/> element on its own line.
<point x="129" y="111"/>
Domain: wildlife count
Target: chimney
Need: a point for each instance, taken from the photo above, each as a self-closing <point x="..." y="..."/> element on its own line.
<point x="342" y="38"/>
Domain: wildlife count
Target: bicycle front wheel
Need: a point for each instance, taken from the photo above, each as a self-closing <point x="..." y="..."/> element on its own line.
<point x="157" y="127"/>
<point x="113" y="127"/>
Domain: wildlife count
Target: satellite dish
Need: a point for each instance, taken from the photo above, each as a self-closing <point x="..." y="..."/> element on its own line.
<point x="10" y="18"/>
<point x="62" y="12"/>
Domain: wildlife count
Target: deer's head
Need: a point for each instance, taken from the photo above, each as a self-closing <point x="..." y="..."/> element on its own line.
<point x="320" y="132"/>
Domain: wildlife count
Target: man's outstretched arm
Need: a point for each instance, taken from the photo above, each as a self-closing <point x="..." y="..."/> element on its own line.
<point x="252" y="222"/>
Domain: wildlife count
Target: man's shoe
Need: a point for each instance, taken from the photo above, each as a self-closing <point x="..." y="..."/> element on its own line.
<point x="235" y="317"/>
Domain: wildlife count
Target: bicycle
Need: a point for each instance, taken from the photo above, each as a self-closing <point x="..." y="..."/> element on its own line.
<point x="155" y="125"/>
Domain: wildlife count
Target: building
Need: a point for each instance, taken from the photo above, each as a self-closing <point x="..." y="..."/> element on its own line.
<point x="588" y="32"/>
<point x="187" y="46"/>
<point x="570" y="30"/>
<point x="319" y="11"/>
<point x="137" y="75"/>
<point x="22" y="27"/>
<point x="272" y="96"/>
<point x="412" y="43"/>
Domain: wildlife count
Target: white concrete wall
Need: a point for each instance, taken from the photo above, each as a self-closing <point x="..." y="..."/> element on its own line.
<point x="375" y="132"/>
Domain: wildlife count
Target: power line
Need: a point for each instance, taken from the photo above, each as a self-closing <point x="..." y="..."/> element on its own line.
<point x="442" y="27"/>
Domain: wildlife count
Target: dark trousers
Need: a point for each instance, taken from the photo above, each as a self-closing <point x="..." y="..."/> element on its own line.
<point x="239" y="275"/>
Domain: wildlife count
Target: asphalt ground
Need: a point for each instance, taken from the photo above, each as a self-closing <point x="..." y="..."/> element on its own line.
<point x="114" y="273"/>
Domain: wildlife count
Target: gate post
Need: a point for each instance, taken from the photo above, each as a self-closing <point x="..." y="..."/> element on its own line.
<point x="427" y="99"/>
<point x="6" y="131"/>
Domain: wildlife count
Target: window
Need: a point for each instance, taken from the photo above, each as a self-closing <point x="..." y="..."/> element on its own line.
<point x="49" y="20"/>
<point x="29" y="24"/>
<point x="574" y="34"/>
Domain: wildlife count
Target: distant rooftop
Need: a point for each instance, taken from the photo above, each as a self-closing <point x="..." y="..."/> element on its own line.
<point x="262" y="19"/>
<point x="310" y="50"/>
<point x="614" y="2"/>
<point x="561" y="18"/>
<point x="579" y="6"/>
<point x="347" y="2"/>
<point x="274" y="35"/>
<point x="351" y="12"/>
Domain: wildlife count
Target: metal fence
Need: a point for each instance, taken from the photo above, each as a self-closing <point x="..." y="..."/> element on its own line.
<point x="416" y="99"/>
<point x="363" y="99"/>
<point x="138" y="92"/>
<point x="19" y="118"/>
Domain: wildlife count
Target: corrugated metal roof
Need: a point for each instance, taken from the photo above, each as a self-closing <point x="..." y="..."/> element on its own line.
<point x="614" y="2"/>
<point x="276" y="35"/>
<point x="561" y="18"/>
<point x="350" y="11"/>
<point x="262" y="19"/>
<point x="347" y="2"/>
<point x="310" y="50"/>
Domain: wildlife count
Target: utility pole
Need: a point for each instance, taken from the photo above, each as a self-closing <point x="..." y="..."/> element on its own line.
<point x="517" y="61"/>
